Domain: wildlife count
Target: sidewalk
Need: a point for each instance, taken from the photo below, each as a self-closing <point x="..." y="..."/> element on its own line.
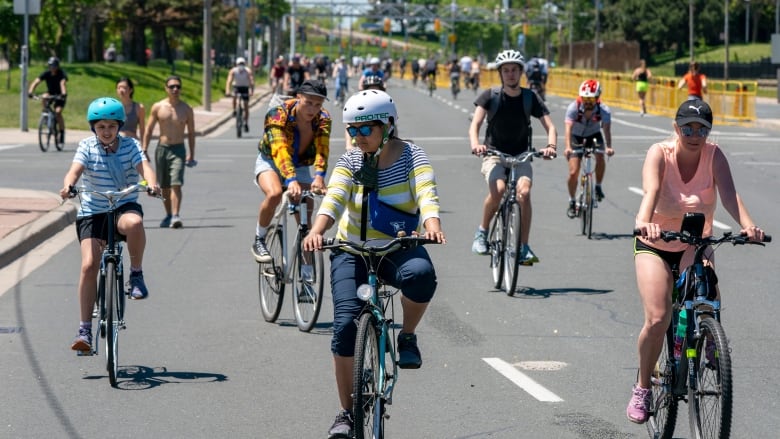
<point x="28" y="218"/>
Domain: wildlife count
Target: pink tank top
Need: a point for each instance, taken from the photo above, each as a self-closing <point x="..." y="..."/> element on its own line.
<point x="677" y="197"/>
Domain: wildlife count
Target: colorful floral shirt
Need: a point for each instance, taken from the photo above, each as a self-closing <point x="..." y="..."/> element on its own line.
<point x="281" y="141"/>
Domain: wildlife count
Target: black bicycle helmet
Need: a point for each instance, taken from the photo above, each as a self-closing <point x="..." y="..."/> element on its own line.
<point x="54" y="62"/>
<point x="374" y="82"/>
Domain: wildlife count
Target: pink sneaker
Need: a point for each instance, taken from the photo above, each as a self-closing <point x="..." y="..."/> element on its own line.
<point x="638" y="409"/>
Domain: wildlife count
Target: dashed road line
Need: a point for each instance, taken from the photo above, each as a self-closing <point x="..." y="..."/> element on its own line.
<point x="522" y="380"/>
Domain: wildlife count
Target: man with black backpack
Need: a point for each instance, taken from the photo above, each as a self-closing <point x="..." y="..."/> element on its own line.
<point x="508" y="110"/>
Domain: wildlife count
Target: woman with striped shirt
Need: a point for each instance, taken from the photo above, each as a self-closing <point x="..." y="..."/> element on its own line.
<point x="393" y="179"/>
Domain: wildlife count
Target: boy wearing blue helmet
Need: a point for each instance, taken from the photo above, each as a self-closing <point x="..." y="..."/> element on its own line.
<point x="107" y="162"/>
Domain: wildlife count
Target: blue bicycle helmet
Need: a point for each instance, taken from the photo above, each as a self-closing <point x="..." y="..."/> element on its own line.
<point x="106" y="109"/>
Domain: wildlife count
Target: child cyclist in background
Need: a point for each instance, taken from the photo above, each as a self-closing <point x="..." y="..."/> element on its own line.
<point x="107" y="162"/>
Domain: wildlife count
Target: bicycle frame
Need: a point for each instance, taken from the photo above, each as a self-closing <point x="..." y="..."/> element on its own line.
<point x="586" y="198"/>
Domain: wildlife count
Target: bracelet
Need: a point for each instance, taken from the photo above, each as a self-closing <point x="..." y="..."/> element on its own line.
<point x="551" y="145"/>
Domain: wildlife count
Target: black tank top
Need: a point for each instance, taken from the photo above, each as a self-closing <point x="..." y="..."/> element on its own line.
<point x="642" y="76"/>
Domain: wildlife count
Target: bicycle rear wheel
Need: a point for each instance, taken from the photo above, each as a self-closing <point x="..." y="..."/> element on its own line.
<point x="663" y="416"/>
<point x="307" y="296"/>
<point x="513" y="247"/>
<point x="44" y="134"/>
<point x="239" y="119"/>
<point x="271" y="277"/>
<point x="710" y="403"/>
<point x="113" y="322"/>
<point x="367" y="403"/>
<point x="496" y="239"/>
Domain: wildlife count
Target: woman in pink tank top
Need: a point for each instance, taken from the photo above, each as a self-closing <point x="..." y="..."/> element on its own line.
<point x="683" y="174"/>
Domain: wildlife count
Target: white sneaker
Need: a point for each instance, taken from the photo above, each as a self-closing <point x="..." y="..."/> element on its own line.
<point x="176" y="222"/>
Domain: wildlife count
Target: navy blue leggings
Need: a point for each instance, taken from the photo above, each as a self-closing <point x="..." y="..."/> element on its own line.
<point x="411" y="271"/>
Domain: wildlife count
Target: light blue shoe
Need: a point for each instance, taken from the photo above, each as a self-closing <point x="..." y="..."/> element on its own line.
<point x="527" y="257"/>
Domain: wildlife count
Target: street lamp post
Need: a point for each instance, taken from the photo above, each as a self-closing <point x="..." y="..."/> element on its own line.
<point x="747" y="21"/>
<point x="690" y="28"/>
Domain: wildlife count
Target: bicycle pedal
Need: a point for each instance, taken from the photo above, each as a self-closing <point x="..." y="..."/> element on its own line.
<point x="84" y="353"/>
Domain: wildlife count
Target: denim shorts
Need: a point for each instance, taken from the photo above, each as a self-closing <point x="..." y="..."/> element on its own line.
<point x="411" y="271"/>
<point x="265" y="163"/>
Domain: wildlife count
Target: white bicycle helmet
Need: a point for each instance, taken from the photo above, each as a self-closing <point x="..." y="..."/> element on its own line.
<point x="240" y="60"/>
<point x="590" y="88"/>
<point x="369" y="105"/>
<point x="510" y="56"/>
<point x="373" y="61"/>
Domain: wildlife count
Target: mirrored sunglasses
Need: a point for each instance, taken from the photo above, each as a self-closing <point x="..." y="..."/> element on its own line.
<point x="688" y="131"/>
<point x="589" y="100"/>
<point x="363" y="130"/>
<point x="174" y="87"/>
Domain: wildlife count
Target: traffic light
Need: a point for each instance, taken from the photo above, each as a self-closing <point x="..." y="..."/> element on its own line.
<point x="387" y="25"/>
<point x="436" y="25"/>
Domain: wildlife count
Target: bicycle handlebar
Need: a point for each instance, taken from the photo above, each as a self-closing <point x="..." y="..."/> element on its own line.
<point x="520" y="158"/>
<point x="113" y="196"/>
<point x="382" y="245"/>
<point x="738" y="239"/>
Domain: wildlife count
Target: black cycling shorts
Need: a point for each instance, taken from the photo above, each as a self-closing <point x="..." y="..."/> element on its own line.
<point x="671" y="258"/>
<point x="242" y="92"/>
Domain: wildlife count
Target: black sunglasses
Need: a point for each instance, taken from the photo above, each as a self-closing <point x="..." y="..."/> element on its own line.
<point x="363" y="130"/>
<point x="174" y="86"/>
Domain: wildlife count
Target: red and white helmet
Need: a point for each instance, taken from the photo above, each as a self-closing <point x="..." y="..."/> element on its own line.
<point x="590" y="88"/>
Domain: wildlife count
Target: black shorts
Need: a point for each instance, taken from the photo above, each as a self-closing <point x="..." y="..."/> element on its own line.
<point x="95" y="226"/>
<point x="671" y="258"/>
<point x="593" y="141"/>
<point x="242" y="92"/>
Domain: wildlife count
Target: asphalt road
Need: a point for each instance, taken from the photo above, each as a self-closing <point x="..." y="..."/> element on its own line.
<point x="198" y="361"/>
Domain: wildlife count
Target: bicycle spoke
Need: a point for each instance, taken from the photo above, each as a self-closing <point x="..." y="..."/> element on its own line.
<point x="710" y="404"/>
<point x="271" y="277"/>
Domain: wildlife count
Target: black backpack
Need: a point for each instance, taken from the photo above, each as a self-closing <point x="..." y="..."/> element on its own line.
<point x="495" y="102"/>
<point x="534" y="70"/>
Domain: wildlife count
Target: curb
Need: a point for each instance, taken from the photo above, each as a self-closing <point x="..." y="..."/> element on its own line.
<point x="30" y="235"/>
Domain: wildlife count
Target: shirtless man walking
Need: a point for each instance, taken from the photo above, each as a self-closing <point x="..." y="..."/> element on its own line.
<point x="174" y="117"/>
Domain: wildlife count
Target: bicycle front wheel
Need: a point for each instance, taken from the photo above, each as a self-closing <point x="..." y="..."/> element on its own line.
<point x="514" y="247"/>
<point x="710" y="403"/>
<point x="44" y="133"/>
<point x="367" y="402"/>
<point x="496" y="239"/>
<point x="586" y="207"/>
<point x="113" y="322"/>
<point x="271" y="277"/>
<point x="307" y="293"/>
<point x="663" y="415"/>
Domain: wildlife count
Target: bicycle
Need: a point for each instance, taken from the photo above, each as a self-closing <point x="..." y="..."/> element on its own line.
<point x="431" y="83"/>
<point x="537" y="87"/>
<point x="586" y="196"/>
<point x="341" y="94"/>
<point x="703" y="376"/>
<point x="241" y="111"/>
<point x="455" y="85"/>
<point x="375" y="372"/>
<point x="48" y="127"/>
<point x="110" y="300"/>
<point x="288" y="266"/>
<point x="504" y="242"/>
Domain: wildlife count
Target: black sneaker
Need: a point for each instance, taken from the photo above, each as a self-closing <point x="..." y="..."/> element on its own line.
<point x="246" y="128"/>
<point x="571" y="212"/>
<point x="408" y="352"/>
<point x="599" y="193"/>
<point x="342" y="426"/>
<point x="260" y="251"/>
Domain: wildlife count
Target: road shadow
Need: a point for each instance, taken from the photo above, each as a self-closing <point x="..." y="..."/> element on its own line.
<point x="319" y="328"/>
<point x="544" y="293"/>
<point x="610" y="237"/>
<point x="145" y="377"/>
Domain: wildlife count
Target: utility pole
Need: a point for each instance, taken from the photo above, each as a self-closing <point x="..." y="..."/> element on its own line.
<point x="690" y="28"/>
<point x="596" y="40"/>
<point x="241" y="28"/>
<point x="726" y="40"/>
<point x="207" y="55"/>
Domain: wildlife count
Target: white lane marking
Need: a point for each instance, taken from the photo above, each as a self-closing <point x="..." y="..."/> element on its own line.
<point x="522" y="380"/>
<point x="4" y="147"/>
<point x="715" y="223"/>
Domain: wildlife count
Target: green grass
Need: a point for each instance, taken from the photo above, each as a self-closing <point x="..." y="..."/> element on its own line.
<point x="89" y="81"/>
<point x="737" y="53"/>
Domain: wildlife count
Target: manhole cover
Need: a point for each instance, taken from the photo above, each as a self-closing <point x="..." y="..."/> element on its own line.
<point x="541" y="365"/>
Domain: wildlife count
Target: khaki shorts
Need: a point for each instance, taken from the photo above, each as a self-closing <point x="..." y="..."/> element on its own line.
<point x="493" y="170"/>
<point x="169" y="160"/>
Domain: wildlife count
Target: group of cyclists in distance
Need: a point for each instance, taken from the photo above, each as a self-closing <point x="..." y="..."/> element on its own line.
<point x="383" y="184"/>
